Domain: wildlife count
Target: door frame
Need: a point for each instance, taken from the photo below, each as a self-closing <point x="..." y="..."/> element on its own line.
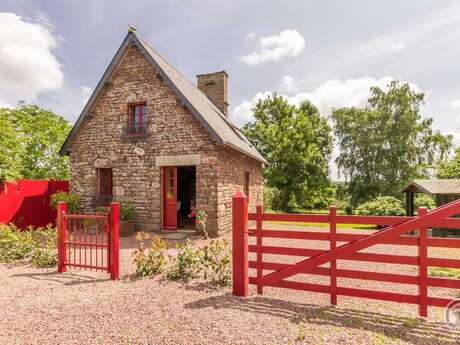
<point x="169" y="205"/>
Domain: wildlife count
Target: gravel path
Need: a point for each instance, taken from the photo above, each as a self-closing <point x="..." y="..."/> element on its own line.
<point x="39" y="306"/>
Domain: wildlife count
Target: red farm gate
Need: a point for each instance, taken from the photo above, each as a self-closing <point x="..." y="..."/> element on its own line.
<point x="344" y="247"/>
<point x="27" y="202"/>
<point x="89" y="241"/>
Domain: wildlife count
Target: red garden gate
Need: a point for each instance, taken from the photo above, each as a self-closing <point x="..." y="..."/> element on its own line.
<point x="351" y="249"/>
<point x="89" y="241"/>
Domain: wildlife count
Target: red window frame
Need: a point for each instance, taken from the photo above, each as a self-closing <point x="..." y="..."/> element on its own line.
<point x="105" y="189"/>
<point x="137" y="119"/>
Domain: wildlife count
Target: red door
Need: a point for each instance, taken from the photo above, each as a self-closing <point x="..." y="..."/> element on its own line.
<point x="170" y="198"/>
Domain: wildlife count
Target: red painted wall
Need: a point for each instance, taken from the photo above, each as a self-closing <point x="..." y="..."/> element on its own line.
<point x="27" y="202"/>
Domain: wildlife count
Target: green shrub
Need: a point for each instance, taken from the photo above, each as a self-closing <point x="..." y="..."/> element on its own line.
<point x="271" y="198"/>
<point x="149" y="260"/>
<point x="381" y="206"/>
<point x="44" y="253"/>
<point x="216" y="261"/>
<point x="348" y="210"/>
<point x="14" y="244"/>
<point x="186" y="264"/>
<point x="423" y="200"/>
<point x="71" y="199"/>
<point x="38" y="245"/>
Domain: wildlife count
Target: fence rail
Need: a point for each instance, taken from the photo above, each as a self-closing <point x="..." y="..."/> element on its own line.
<point x="343" y="246"/>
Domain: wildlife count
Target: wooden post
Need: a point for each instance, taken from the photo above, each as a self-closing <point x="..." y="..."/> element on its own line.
<point x="333" y="245"/>
<point x="61" y="233"/>
<point x="114" y="240"/>
<point x="422" y="268"/>
<point x="240" y="244"/>
<point x="259" y="249"/>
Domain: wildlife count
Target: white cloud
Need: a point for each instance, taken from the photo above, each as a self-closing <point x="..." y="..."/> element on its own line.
<point x="250" y="35"/>
<point x="331" y="94"/>
<point x="455" y="103"/>
<point x="289" y="43"/>
<point x="86" y="92"/>
<point x="287" y="84"/>
<point x="242" y="113"/>
<point x="28" y="66"/>
<point x="398" y="46"/>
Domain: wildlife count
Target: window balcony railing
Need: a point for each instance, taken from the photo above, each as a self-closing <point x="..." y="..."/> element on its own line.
<point x="136" y="130"/>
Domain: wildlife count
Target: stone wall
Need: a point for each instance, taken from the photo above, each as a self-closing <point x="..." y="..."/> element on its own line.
<point x="232" y="168"/>
<point x="136" y="178"/>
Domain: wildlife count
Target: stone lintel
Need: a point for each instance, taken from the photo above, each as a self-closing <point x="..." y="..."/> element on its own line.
<point x="178" y="160"/>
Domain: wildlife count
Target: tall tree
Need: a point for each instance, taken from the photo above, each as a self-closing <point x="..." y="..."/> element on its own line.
<point x="386" y="144"/>
<point x="450" y="168"/>
<point x="38" y="135"/>
<point x="297" y="143"/>
<point x="9" y="149"/>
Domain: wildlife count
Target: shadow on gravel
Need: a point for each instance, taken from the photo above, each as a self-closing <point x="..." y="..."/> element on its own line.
<point x="63" y="278"/>
<point x="413" y="330"/>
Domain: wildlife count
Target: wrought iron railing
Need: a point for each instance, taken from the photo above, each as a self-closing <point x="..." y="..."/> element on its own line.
<point x="136" y="130"/>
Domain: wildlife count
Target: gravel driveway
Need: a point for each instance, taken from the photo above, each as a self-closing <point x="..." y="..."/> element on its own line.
<point x="39" y="306"/>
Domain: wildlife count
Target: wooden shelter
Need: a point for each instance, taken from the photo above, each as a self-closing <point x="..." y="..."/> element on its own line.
<point x="443" y="191"/>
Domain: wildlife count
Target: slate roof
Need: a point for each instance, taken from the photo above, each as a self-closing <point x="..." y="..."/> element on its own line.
<point x="434" y="187"/>
<point x="221" y="129"/>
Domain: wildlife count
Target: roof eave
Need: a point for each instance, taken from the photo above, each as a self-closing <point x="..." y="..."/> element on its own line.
<point x="100" y="85"/>
<point x="260" y="159"/>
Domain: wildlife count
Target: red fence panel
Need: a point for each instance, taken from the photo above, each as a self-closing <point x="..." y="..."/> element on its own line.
<point x="27" y="202"/>
<point x="345" y="246"/>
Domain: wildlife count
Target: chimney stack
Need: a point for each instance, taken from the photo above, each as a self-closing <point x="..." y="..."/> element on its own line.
<point x="215" y="86"/>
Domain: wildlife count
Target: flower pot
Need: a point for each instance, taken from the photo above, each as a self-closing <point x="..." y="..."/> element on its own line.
<point x="126" y="228"/>
<point x="199" y="230"/>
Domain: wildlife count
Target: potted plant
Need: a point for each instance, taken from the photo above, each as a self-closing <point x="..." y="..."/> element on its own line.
<point x="126" y="219"/>
<point x="71" y="199"/>
<point x="201" y="218"/>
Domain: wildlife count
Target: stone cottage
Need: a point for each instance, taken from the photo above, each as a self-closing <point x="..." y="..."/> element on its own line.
<point x="150" y="137"/>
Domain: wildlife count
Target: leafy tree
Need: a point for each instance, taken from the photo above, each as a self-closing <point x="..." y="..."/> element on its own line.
<point x="382" y="206"/>
<point x="29" y="143"/>
<point x="386" y="144"/>
<point x="297" y="143"/>
<point x="9" y="149"/>
<point x="448" y="169"/>
<point x="41" y="134"/>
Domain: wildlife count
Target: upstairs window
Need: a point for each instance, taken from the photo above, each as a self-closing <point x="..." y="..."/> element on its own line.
<point x="137" y="118"/>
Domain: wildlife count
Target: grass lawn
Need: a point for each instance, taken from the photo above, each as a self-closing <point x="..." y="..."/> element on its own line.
<point x="444" y="272"/>
<point x="326" y="225"/>
<point x="323" y="225"/>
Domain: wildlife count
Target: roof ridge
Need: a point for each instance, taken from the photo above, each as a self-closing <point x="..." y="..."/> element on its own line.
<point x="221" y="129"/>
<point x="219" y="112"/>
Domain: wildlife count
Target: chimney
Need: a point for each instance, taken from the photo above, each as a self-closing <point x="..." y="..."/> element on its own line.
<point x="215" y="86"/>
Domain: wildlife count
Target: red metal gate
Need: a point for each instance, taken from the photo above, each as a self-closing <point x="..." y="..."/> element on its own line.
<point x="393" y="234"/>
<point x="89" y="241"/>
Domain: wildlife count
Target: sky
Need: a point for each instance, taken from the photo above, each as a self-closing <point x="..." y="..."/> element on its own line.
<point x="53" y="53"/>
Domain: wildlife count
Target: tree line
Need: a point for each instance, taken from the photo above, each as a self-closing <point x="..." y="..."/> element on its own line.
<point x="29" y="143"/>
<point x="382" y="147"/>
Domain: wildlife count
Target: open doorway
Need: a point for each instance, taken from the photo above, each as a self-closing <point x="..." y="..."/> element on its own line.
<point x="186" y="195"/>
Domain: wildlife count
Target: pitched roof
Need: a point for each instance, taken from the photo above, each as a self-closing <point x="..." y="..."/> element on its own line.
<point x="221" y="129"/>
<point x="445" y="187"/>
